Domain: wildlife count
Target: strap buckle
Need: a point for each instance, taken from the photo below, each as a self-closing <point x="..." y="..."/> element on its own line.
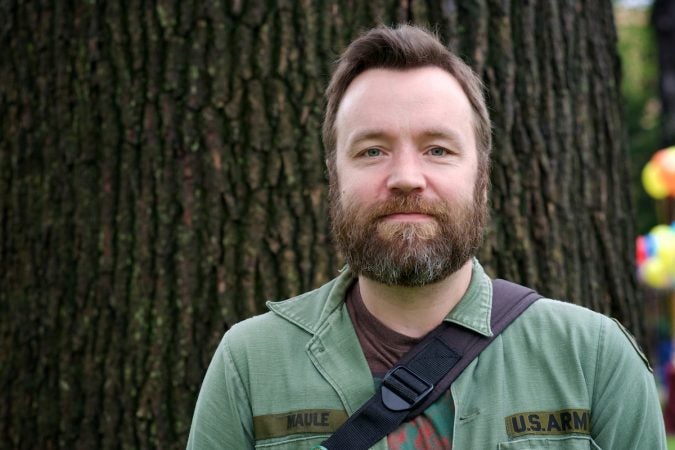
<point x="402" y="389"/>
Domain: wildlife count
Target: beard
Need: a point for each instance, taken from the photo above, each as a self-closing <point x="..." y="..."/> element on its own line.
<point x="410" y="254"/>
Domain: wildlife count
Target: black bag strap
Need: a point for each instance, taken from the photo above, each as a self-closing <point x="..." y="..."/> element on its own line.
<point x="426" y="371"/>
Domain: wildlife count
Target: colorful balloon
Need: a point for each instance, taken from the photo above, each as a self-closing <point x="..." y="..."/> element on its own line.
<point x="655" y="257"/>
<point x="655" y="273"/>
<point x="655" y="251"/>
<point x="651" y="245"/>
<point x="658" y="175"/>
<point x="640" y="250"/>
<point x="652" y="180"/>
<point x="665" y="159"/>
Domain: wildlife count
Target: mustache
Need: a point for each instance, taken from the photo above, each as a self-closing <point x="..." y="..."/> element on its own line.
<point x="408" y="205"/>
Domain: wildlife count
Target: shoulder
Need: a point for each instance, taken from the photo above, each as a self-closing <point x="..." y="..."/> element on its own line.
<point x="558" y="328"/>
<point x="558" y="316"/>
<point x="548" y="306"/>
<point x="569" y="316"/>
<point x="288" y="323"/>
<point x="575" y="326"/>
<point x="568" y="319"/>
<point x="262" y="332"/>
<point x="259" y="347"/>
<point x="256" y="330"/>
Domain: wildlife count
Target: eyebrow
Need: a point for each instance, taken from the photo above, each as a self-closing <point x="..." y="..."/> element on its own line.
<point x="442" y="133"/>
<point x="449" y="134"/>
<point x="367" y="135"/>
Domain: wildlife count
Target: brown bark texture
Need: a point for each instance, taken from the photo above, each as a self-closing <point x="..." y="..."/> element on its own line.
<point x="162" y="175"/>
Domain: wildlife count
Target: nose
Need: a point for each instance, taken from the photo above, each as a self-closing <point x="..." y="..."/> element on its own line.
<point x="406" y="172"/>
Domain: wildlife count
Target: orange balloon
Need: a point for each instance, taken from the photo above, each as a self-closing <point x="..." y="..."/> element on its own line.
<point x="665" y="160"/>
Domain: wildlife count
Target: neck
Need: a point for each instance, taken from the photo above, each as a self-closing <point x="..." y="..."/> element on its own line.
<point x="415" y="311"/>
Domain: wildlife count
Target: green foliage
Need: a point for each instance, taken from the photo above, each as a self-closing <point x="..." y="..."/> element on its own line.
<point x="637" y="49"/>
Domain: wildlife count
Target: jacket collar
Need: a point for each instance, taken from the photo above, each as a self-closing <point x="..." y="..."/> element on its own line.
<point x="474" y="310"/>
<point x="311" y="309"/>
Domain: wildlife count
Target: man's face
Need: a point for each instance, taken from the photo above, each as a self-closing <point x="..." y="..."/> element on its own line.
<point x="404" y="203"/>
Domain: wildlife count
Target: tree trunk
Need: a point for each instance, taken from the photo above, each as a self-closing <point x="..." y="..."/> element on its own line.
<point x="162" y="175"/>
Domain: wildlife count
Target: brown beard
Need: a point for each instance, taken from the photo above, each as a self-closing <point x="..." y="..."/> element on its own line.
<point x="408" y="254"/>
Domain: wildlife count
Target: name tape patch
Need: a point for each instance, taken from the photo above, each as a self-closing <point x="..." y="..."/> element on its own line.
<point x="566" y="421"/>
<point x="297" y="422"/>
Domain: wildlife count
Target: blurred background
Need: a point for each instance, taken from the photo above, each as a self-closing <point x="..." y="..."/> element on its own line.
<point x="646" y="43"/>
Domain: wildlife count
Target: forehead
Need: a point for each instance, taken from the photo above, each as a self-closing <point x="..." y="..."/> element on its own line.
<point x="404" y="101"/>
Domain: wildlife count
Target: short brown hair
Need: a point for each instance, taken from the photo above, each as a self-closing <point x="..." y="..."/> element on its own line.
<point x="401" y="48"/>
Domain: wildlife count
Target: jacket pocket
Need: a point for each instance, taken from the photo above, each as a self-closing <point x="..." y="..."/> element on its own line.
<point x="551" y="443"/>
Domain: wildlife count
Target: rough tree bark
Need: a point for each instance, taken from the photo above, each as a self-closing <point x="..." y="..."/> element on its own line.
<point x="161" y="175"/>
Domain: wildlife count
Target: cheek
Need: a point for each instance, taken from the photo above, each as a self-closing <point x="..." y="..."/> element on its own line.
<point x="456" y="188"/>
<point x="347" y="196"/>
<point x="348" y="183"/>
<point x="362" y="187"/>
<point x="354" y="194"/>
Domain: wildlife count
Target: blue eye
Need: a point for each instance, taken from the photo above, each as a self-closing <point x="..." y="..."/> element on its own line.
<point x="438" y="151"/>
<point x="372" y="152"/>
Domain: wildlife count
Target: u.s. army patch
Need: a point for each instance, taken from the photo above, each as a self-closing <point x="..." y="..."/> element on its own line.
<point x="567" y="421"/>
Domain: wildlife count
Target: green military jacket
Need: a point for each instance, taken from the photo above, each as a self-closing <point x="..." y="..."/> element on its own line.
<point x="560" y="377"/>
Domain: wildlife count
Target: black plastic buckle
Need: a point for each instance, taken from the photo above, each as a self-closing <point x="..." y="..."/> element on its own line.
<point x="403" y="390"/>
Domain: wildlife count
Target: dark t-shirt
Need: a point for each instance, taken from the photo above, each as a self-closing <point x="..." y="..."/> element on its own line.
<point x="383" y="347"/>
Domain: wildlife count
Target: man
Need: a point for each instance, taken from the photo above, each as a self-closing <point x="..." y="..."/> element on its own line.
<point x="408" y="141"/>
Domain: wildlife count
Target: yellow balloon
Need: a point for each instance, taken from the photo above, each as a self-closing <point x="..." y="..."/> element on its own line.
<point x="663" y="238"/>
<point x="661" y="230"/>
<point x="655" y="273"/>
<point x="653" y="182"/>
<point x="665" y="250"/>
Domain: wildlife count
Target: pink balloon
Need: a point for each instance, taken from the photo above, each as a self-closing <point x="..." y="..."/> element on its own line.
<point x="641" y="251"/>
